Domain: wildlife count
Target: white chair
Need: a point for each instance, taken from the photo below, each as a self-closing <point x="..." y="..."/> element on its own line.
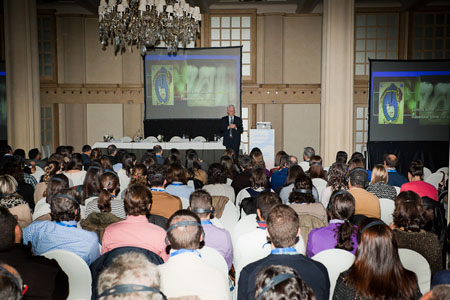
<point x="443" y="169"/>
<point x="184" y="203"/>
<point x="434" y="179"/>
<point x="199" y="139"/>
<point x="387" y="207"/>
<point x="127" y="139"/>
<point x="336" y="261"/>
<point x="191" y="183"/>
<point x="229" y="216"/>
<point x="175" y="139"/>
<point x="416" y="263"/>
<point x="244" y="225"/>
<point x="151" y="139"/>
<point x="397" y="189"/>
<point x="213" y="258"/>
<point x="77" y="271"/>
<point x="426" y="172"/>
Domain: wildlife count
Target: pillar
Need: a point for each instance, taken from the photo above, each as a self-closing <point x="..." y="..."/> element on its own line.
<point x="22" y="74"/>
<point x="337" y="78"/>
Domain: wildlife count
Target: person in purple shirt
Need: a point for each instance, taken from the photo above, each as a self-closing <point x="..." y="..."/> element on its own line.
<point x="340" y="233"/>
<point x="200" y="202"/>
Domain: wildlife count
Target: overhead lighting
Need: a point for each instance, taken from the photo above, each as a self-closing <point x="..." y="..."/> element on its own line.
<point x="147" y="23"/>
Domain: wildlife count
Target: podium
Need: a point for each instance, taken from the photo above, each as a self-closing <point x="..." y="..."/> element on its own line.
<point x="264" y="139"/>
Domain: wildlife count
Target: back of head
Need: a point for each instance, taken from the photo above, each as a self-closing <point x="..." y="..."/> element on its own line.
<point x="379" y="174"/>
<point x="271" y="283"/>
<point x="75" y="162"/>
<point x="86" y="148"/>
<point x="265" y="201"/>
<point x="358" y="177"/>
<point x="316" y="168"/>
<point x="96" y="154"/>
<point x="285" y="161"/>
<point x="156" y="176"/>
<point x="302" y="191"/>
<point x="360" y="156"/>
<point x="391" y="161"/>
<point x="11" y="284"/>
<point x="176" y="173"/>
<point x="278" y="157"/>
<point x="342" y="207"/>
<point x="157" y="149"/>
<point x="416" y="168"/>
<point x="13" y="168"/>
<point x="293" y="172"/>
<point x="172" y="159"/>
<point x="341" y="157"/>
<point x="111" y="149"/>
<point x="33" y="153"/>
<point x="283" y="226"/>
<point x="106" y="163"/>
<point x="8" y="224"/>
<point x="63" y="150"/>
<point x="19" y="152"/>
<point x="139" y="174"/>
<point x="127" y="163"/>
<point x="200" y="202"/>
<point x="216" y="174"/>
<point x="355" y="163"/>
<point x="109" y="188"/>
<point x="64" y="206"/>
<point x="51" y="169"/>
<point x="8" y="184"/>
<point x="440" y="292"/>
<point x="184" y="236"/>
<point x="192" y="163"/>
<point x="129" y="270"/>
<point x="245" y="162"/>
<point x="91" y="184"/>
<point x="409" y="212"/>
<point x="308" y="152"/>
<point x="137" y="200"/>
<point x="56" y="184"/>
<point x="258" y="179"/>
<point x="257" y="158"/>
<point x="337" y="176"/>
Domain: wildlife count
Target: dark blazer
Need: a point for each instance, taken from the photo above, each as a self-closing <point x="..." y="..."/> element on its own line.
<point x="396" y="179"/>
<point x="235" y="141"/>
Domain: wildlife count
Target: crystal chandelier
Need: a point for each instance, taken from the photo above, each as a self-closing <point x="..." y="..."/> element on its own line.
<point x="147" y="23"/>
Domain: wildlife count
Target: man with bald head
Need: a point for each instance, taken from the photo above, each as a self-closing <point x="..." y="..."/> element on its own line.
<point x="394" y="178"/>
<point x="231" y="130"/>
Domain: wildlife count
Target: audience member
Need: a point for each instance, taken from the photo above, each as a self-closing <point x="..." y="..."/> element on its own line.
<point x="283" y="231"/>
<point x="14" y="202"/>
<point x="341" y="157"/>
<point x="217" y="183"/>
<point x="91" y="185"/>
<point x="125" y="171"/>
<point x="394" y="178"/>
<point x="35" y="156"/>
<point x="242" y="180"/>
<point x="340" y="234"/>
<point x="337" y="181"/>
<point x="164" y="204"/>
<point x="316" y="170"/>
<point x="378" y="184"/>
<point x="55" y="185"/>
<point x="360" y="156"/>
<point x="96" y="155"/>
<point x="293" y="172"/>
<point x="200" y="202"/>
<point x="51" y="169"/>
<point x="177" y="181"/>
<point x="229" y="168"/>
<point x="158" y="152"/>
<point x="281" y="282"/>
<point x="44" y="278"/>
<point x="111" y="152"/>
<point x="277" y="161"/>
<point x="308" y="152"/>
<point x="194" y="170"/>
<point x="11" y="283"/>
<point x="377" y="272"/>
<point x="409" y="218"/>
<point x="439" y="292"/>
<point x="26" y="190"/>
<point x="62" y="232"/>
<point x="366" y="203"/>
<point x="279" y="177"/>
<point x="416" y="183"/>
<point x="74" y="170"/>
<point x="86" y="151"/>
<point x="185" y="273"/>
<point x="139" y="175"/>
<point x="258" y="160"/>
<point x="6" y="154"/>
<point x="246" y="199"/>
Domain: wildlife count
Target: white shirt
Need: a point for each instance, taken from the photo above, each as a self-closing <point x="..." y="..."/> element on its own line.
<point x="187" y="274"/>
<point x="38" y="174"/>
<point x="76" y="178"/>
<point x="124" y="180"/>
<point x="221" y="190"/>
<point x="304" y="165"/>
<point x="41" y="208"/>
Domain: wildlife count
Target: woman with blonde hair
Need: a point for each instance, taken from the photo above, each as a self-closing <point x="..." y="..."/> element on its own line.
<point x="378" y="184"/>
<point x="14" y="202"/>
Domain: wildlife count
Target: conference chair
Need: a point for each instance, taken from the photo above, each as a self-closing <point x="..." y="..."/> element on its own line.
<point x="336" y="261"/>
<point x="127" y="139"/>
<point x="416" y="263"/>
<point x="320" y="185"/>
<point x="229" y="216"/>
<point x="387" y="207"/>
<point x="435" y="178"/>
<point x="199" y="139"/>
<point x="426" y="172"/>
<point x="77" y="271"/>
<point x="443" y="169"/>
<point x="397" y="189"/>
<point x="244" y="225"/>
<point x="184" y="203"/>
<point x="175" y="139"/>
<point x="151" y="139"/>
<point x="213" y="258"/>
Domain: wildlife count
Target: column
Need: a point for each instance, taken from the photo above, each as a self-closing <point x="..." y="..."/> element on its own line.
<point x="22" y="74"/>
<point x="337" y="79"/>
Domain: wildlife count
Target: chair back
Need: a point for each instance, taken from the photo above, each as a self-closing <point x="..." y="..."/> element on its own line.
<point x="199" y="139"/>
<point x="244" y="225"/>
<point x="77" y="271"/>
<point x="387" y="207"/>
<point x="435" y="178"/>
<point x="443" y="169"/>
<point x="229" y="216"/>
<point x="336" y="261"/>
<point x="151" y="139"/>
<point x="184" y="203"/>
<point x="175" y="139"/>
<point x="213" y="258"/>
<point x="426" y="172"/>
<point x="416" y="263"/>
<point x="397" y="189"/>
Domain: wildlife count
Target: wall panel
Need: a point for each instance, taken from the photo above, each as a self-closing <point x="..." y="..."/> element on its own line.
<point x="104" y="119"/>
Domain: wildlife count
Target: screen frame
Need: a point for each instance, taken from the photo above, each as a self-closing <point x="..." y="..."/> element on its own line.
<point x="191" y="49"/>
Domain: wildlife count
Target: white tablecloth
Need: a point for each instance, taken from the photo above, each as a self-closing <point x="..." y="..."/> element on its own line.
<point x="168" y="145"/>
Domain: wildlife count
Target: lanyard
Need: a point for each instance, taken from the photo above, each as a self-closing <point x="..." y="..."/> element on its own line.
<point x="66" y="225"/>
<point x="181" y="251"/>
<point x="289" y="250"/>
<point x="206" y="222"/>
<point x="262" y="225"/>
<point x="156" y="190"/>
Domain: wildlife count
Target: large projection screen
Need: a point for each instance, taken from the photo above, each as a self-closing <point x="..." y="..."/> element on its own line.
<point x="409" y="101"/>
<point x="196" y="83"/>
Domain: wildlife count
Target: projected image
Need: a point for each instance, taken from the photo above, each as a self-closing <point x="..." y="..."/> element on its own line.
<point x="434" y="104"/>
<point x="162" y="91"/>
<point x="391" y="103"/>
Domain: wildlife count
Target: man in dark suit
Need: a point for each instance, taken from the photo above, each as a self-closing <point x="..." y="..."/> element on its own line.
<point x="232" y="129"/>
<point x="394" y="178"/>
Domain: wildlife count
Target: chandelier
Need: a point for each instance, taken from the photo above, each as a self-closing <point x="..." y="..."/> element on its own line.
<point x="147" y="23"/>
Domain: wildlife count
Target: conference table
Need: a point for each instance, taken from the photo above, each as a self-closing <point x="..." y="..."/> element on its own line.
<point x="207" y="151"/>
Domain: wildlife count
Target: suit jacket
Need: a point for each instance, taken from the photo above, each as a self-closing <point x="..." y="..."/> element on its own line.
<point x="235" y="140"/>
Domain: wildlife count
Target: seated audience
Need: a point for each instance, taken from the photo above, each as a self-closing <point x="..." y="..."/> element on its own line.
<point x="438" y="292"/>
<point x="409" y="218"/>
<point x="35" y="157"/>
<point x="96" y="155"/>
<point x="416" y="183"/>
<point x="139" y="175"/>
<point x="11" y="283"/>
<point x="130" y="276"/>
<point x="360" y="157"/>
<point x="377" y="272"/>
<point x="283" y="231"/>
<point x="55" y="185"/>
<point x="163" y="203"/>
<point x="217" y="183"/>
<point x="185" y="273"/>
<point x="62" y="232"/>
<point x="308" y="152"/>
<point x="158" y="152"/>
<point x="281" y="282"/>
<point x="108" y="200"/>
<point x="279" y="177"/>
<point x="86" y="151"/>
<point x="194" y="170"/>
<point x="395" y="178"/>
<point x="341" y="157"/>
<point x="258" y="160"/>
<point x="91" y="185"/>
<point x="229" y="168"/>
<point x="51" y="169"/>
<point x="293" y="172"/>
<point x="130" y="232"/>
<point x="378" y="184"/>
<point x="246" y="199"/>
<point x="25" y="189"/>
<point x="44" y="278"/>
<point x="340" y="234"/>
<point x="111" y="152"/>
<point x="14" y="202"/>
<point x="200" y="202"/>
<point x="337" y="181"/>
<point x="366" y="203"/>
<point x="177" y="181"/>
<point x="125" y="171"/>
<point x="242" y="180"/>
<point x="277" y="161"/>
<point x="74" y="170"/>
<point x="316" y="170"/>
